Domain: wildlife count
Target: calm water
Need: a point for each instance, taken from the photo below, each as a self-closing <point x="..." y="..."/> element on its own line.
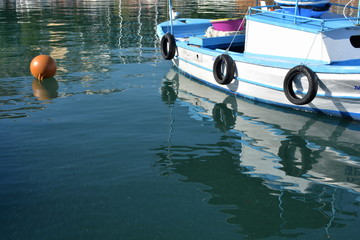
<point x="119" y="145"/>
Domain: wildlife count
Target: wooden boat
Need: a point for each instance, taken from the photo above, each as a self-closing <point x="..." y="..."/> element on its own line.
<point x="295" y="54"/>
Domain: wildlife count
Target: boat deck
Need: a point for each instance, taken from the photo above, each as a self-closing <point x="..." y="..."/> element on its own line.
<point x="186" y="27"/>
<point x="204" y="45"/>
<point x="190" y="34"/>
<point x="217" y="42"/>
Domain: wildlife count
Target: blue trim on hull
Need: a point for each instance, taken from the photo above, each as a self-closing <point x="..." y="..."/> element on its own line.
<point x="347" y="115"/>
<point x="265" y="85"/>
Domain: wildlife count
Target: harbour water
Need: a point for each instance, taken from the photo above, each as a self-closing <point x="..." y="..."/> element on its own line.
<point x="120" y="145"/>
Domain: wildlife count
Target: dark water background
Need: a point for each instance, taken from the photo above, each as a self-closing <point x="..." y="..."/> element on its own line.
<point x="119" y="145"/>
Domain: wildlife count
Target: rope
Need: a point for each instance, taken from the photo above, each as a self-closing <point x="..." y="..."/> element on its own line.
<point x="345" y="7"/>
<point x="307" y="56"/>
<point x="238" y="30"/>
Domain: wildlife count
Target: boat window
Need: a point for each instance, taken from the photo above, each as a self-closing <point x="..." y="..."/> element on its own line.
<point x="355" y="41"/>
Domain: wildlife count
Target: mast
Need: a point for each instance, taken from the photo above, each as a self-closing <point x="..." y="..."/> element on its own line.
<point x="358" y="13"/>
<point x="296" y="10"/>
<point x="170" y="16"/>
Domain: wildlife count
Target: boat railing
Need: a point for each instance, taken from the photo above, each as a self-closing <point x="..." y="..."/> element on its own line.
<point x="323" y="23"/>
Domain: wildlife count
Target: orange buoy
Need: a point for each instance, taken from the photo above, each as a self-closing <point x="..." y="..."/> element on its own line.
<point x="43" y="66"/>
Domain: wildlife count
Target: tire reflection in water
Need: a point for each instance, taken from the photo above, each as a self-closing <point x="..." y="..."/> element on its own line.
<point x="273" y="171"/>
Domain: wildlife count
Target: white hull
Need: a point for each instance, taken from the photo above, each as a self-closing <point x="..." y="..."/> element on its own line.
<point x="265" y="84"/>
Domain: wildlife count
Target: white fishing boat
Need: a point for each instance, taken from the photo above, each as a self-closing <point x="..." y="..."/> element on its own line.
<point x="296" y="54"/>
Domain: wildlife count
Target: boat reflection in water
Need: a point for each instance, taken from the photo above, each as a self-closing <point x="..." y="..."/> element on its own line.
<point x="272" y="168"/>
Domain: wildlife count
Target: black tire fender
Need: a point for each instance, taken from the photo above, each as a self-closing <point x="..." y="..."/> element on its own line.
<point x="228" y="76"/>
<point x="288" y="85"/>
<point x="168" y="46"/>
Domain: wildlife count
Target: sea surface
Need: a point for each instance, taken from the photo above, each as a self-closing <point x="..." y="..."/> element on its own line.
<point x="120" y="145"/>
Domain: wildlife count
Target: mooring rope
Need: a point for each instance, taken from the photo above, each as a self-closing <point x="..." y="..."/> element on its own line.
<point x="311" y="47"/>
<point x="238" y="30"/>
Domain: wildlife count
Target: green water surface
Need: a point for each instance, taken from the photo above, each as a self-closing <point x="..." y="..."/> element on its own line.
<point x="120" y="145"/>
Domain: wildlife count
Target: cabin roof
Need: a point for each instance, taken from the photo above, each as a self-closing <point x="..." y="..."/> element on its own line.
<point x="328" y="22"/>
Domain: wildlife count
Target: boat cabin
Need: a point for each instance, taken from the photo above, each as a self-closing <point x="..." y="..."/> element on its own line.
<point x="328" y="38"/>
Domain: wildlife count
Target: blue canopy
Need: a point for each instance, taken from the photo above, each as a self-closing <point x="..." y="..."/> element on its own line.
<point x="302" y="2"/>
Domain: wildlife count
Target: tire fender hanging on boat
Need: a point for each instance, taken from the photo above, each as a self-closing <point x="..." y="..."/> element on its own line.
<point x="168" y="46"/>
<point x="223" y="63"/>
<point x="289" y="80"/>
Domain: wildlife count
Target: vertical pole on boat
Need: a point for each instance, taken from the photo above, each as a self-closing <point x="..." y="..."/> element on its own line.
<point x="171" y="17"/>
<point x="296" y="10"/>
<point x="358" y="13"/>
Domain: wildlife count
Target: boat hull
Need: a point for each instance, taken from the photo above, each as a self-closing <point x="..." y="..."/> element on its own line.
<point x="265" y="83"/>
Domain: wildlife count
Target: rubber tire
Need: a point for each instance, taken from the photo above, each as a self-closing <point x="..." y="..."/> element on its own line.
<point x="288" y="85"/>
<point x="168" y="46"/>
<point x="230" y="69"/>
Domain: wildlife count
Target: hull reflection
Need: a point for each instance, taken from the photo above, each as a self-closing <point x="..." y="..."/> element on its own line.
<point x="287" y="149"/>
<point x="276" y="173"/>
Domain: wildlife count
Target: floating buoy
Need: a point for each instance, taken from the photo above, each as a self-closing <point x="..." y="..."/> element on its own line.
<point x="43" y="66"/>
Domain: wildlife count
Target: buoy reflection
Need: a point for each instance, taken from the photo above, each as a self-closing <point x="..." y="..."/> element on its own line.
<point x="45" y="89"/>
